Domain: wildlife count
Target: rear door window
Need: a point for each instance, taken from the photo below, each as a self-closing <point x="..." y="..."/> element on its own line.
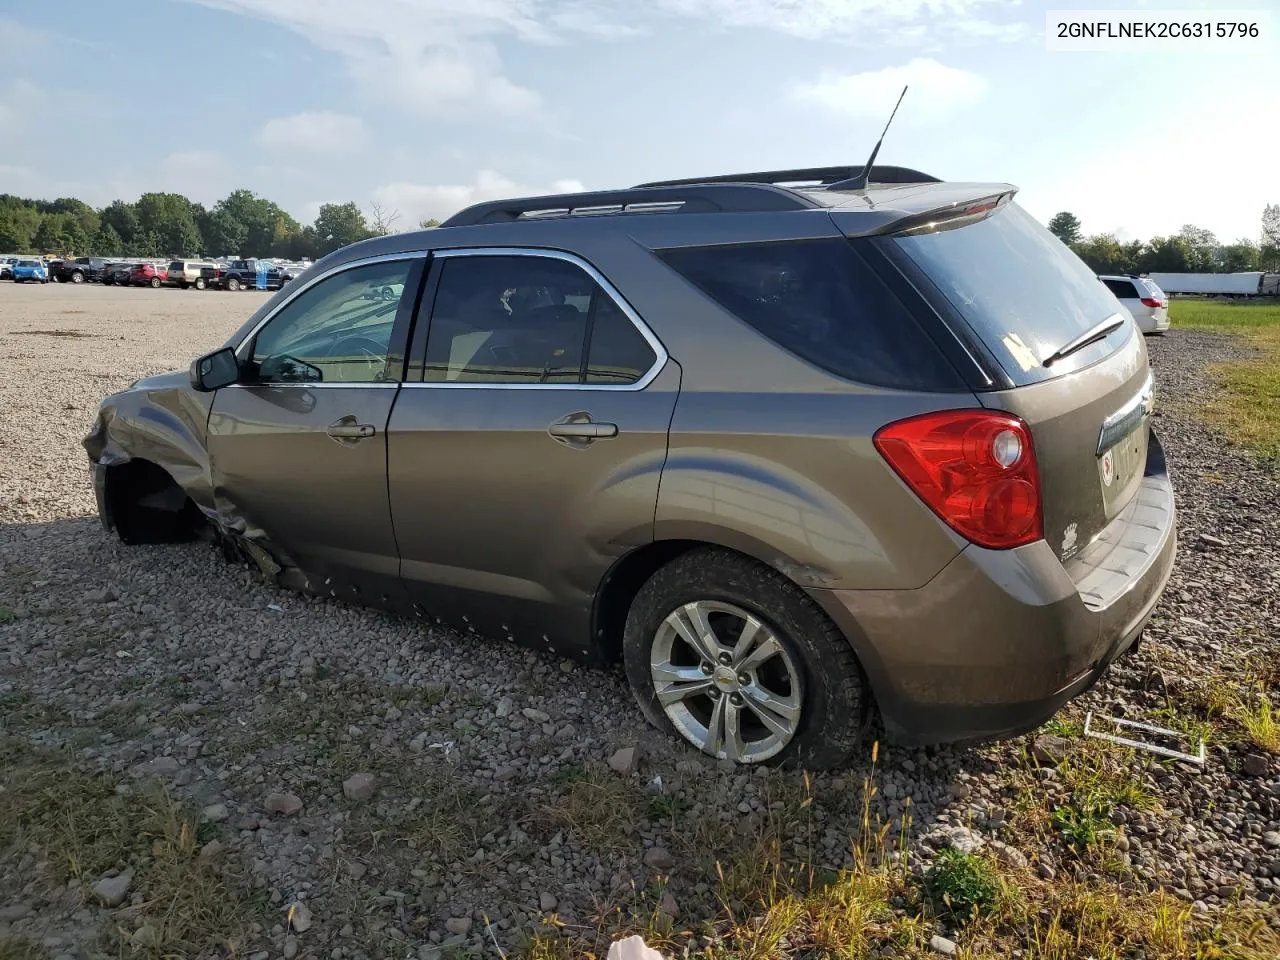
<point x="1022" y="292"/>
<point x="819" y="300"/>
<point x="1123" y="289"/>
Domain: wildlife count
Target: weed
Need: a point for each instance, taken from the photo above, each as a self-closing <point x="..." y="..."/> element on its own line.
<point x="567" y="776"/>
<point x="22" y="948"/>
<point x="667" y="806"/>
<point x="6" y="613"/>
<point x="600" y="807"/>
<point x="964" y="884"/>
<point x="1084" y="823"/>
<point x="1259" y="723"/>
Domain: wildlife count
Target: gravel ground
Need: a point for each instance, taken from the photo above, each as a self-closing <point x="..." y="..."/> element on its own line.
<point x="420" y="790"/>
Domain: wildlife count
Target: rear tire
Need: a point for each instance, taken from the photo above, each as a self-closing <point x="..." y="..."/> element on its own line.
<point x="200" y="284"/>
<point x="233" y="284"/>
<point x="813" y="673"/>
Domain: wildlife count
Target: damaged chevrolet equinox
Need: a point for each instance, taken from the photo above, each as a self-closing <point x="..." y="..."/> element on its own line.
<point x="789" y="446"/>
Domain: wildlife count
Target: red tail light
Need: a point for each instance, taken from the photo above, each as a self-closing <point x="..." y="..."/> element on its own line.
<point x="1152" y="302"/>
<point x="974" y="468"/>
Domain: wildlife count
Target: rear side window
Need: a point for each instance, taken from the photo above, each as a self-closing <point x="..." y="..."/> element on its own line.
<point x="1019" y="288"/>
<point x="820" y="301"/>
<point x="1123" y="289"/>
<point x="176" y="266"/>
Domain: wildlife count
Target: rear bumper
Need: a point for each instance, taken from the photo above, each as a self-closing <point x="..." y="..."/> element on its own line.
<point x="999" y="640"/>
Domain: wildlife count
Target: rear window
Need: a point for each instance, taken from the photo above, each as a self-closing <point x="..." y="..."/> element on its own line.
<point x="1020" y="290"/>
<point x="1152" y="288"/>
<point x="176" y="265"/>
<point x="819" y="300"/>
<point x="1123" y="289"/>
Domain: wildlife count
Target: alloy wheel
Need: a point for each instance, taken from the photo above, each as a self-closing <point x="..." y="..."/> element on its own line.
<point x="726" y="681"/>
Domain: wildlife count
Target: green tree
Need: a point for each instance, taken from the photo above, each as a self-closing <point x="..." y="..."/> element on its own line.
<point x="1103" y="254"/>
<point x="266" y="226"/>
<point x="223" y="234"/>
<point x="1243" y="255"/>
<point x="339" y="224"/>
<point x="1066" y="227"/>
<point x="1269" y="253"/>
<point x="106" y="242"/>
<point x="1166" y="255"/>
<point x="19" y="221"/>
<point x="123" y="219"/>
<point x="1202" y="247"/>
<point x="428" y="223"/>
<point x="171" y="219"/>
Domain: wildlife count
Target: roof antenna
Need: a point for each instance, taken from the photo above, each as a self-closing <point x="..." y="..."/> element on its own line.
<point x="860" y="181"/>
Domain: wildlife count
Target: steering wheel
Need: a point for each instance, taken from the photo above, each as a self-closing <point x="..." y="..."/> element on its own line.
<point x="371" y="368"/>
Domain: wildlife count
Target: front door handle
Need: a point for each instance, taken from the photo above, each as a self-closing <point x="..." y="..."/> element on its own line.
<point x="348" y="429"/>
<point x="579" y="428"/>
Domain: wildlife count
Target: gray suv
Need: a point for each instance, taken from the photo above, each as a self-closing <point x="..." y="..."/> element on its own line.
<point x="786" y="445"/>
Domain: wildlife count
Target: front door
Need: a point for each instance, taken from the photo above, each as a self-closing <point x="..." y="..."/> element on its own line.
<point x="298" y="448"/>
<point x="527" y="459"/>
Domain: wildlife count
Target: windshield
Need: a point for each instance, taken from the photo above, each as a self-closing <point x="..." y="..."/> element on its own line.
<point x="1019" y="288"/>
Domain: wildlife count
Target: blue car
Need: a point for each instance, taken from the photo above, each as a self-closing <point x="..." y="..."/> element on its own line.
<point x="30" y="270"/>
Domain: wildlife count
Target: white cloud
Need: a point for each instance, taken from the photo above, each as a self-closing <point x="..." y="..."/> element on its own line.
<point x="416" y="201"/>
<point x="436" y="57"/>
<point x="319" y="131"/>
<point x="935" y="90"/>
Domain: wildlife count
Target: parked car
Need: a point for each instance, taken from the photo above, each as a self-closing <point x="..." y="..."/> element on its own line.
<point x="192" y="273"/>
<point x="117" y="273"/>
<point x="148" y="275"/>
<point x="853" y="445"/>
<point x="33" y="271"/>
<point x="80" y="269"/>
<point x="6" y="267"/>
<point x="1144" y="300"/>
<point x="243" y="275"/>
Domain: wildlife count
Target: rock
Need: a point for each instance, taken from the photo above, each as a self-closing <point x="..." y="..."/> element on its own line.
<point x="955" y="837"/>
<point x="1256" y="765"/>
<point x="290" y="947"/>
<point x="547" y="902"/>
<point x="146" y="937"/>
<point x="1050" y="748"/>
<point x="1271" y="838"/>
<point x="255" y="651"/>
<point x="216" y="812"/>
<point x="1044" y="871"/>
<point x="392" y="715"/>
<point x="659" y="858"/>
<point x="1210" y="540"/>
<point x="300" y="916"/>
<point x="359" y="786"/>
<point x="356" y="869"/>
<point x="156" y="767"/>
<point x="537" y="716"/>
<point x="1009" y="856"/>
<point x="111" y="891"/>
<point x="429" y="951"/>
<point x="99" y="596"/>
<point x="623" y="761"/>
<point x="943" y="946"/>
<point x="504" y="707"/>
<point x="285" y="804"/>
<point x="458" y="926"/>
<point x="15" y="911"/>
<point x="669" y="905"/>
<point x="211" y="851"/>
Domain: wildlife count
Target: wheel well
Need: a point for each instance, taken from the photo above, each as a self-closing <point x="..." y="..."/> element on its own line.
<point x="619" y="588"/>
<point x="148" y="506"/>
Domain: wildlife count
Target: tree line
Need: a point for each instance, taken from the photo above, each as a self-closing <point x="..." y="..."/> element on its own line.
<point x="170" y="225"/>
<point x="1191" y="250"/>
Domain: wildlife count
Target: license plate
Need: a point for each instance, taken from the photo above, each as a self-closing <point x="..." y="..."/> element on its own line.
<point x="1121" y="465"/>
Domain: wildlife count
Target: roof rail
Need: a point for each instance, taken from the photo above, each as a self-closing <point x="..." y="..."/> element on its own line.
<point x="820" y="175"/>
<point x="696" y="197"/>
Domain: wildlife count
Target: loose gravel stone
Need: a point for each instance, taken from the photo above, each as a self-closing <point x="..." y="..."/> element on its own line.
<point x="359" y="786"/>
<point x="111" y="891"/>
<point x="285" y="804"/>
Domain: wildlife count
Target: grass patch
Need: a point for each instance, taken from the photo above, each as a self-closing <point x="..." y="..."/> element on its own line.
<point x="599" y="807"/>
<point x="1258" y="719"/>
<point x="186" y="904"/>
<point x="1248" y="408"/>
<point x="22" y="948"/>
<point x="963" y="884"/>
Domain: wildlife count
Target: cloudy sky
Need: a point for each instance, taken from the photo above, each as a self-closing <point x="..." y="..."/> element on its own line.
<point x="426" y="105"/>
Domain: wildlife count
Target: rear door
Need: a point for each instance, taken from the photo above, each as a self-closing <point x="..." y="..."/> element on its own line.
<point x="298" y="449"/>
<point x="1021" y="295"/>
<point x="527" y="458"/>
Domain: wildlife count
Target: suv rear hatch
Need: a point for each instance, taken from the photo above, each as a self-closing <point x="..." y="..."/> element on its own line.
<point x="1063" y="352"/>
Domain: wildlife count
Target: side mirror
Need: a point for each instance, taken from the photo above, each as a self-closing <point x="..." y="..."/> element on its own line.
<point x="215" y="370"/>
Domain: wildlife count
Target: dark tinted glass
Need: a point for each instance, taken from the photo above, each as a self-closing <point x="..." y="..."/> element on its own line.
<point x="1123" y="289"/>
<point x="509" y="320"/>
<point x="1020" y="289"/>
<point x="821" y="301"/>
<point x="618" y="352"/>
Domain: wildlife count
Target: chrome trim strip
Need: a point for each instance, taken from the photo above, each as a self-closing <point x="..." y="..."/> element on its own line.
<point x="1121" y="423"/>
<point x="660" y="352"/>
<point x="296" y="289"/>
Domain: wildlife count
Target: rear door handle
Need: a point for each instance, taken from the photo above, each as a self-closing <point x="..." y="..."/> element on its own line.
<point x="348" y="429"/>
<point x="581" y="428"/>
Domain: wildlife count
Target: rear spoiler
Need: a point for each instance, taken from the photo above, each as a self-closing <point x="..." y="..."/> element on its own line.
<point x="949" y="216"/>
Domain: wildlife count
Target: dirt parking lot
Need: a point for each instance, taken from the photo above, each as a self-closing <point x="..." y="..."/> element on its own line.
<point x="197" y="763"/>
